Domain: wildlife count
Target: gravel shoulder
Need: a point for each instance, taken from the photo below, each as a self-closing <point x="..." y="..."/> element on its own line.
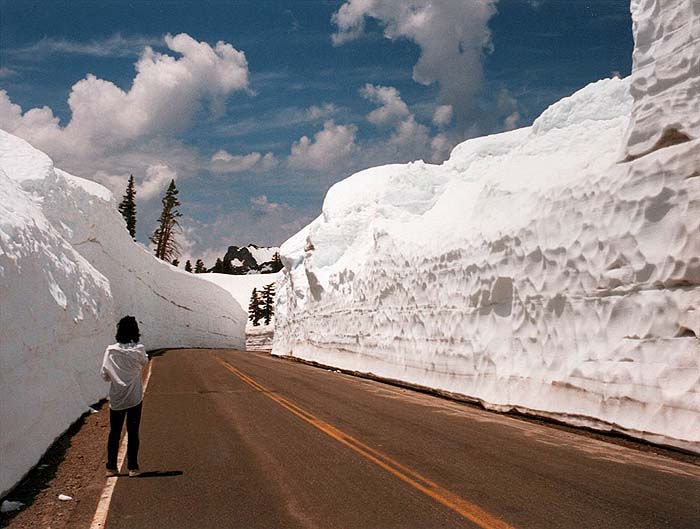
<point x="73" y="466"/>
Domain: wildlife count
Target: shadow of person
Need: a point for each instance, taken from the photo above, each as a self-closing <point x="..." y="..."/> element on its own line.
<point x="160" y="474"/>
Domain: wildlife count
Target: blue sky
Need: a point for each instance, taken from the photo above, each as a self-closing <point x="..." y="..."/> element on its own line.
<point x="326" y="88"/>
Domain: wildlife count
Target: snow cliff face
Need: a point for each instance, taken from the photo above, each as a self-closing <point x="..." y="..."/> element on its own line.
<point x="530" y="271"/>
<point x="666" y="74"/>
<point x="68" y="271"/>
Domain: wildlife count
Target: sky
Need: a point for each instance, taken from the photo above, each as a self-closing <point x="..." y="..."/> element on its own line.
<point x="256" y="107"/>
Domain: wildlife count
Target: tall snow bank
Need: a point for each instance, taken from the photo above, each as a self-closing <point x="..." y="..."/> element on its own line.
<point x="68" y="271"/>
<point x="665" y="75"/>
<point x="529" y="271"/>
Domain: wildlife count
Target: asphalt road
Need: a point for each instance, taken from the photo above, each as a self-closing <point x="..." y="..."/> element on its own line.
<point x="232" y="439"/>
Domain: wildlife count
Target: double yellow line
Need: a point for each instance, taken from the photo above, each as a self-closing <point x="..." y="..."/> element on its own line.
<point x="447" y="498"/>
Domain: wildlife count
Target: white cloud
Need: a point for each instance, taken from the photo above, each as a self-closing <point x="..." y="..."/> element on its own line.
<point x="6" y="73"/>
<point x="157" y="179"/>
<point x="392" y="108"/>
<point x="224" y="162"/>
<point x="512" y="121"/>
<point x="263" y="205"/>
<point x="332" y="146"/>
<point x="116" y="45"/>
<point x="164" y="97"/>
<point x="440" y="146"/>
<point x="442" y="115"/>
<point x="452" y="36"/>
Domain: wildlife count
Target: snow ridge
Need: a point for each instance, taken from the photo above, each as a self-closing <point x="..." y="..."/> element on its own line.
<point x="68" y="271"/>
<point x="582" y="303"/>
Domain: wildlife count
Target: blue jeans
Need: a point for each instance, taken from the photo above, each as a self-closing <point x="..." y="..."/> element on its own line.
<point x="116" y="421"/>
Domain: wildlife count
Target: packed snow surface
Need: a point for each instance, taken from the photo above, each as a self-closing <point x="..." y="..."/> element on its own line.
<point x="258" y="338"/>
<point x="68" y="271"/>
<point x="666" y="74"/>
<point x="531" y="271"/>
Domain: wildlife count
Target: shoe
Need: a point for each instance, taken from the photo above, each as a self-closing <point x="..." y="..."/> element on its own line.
<point x="110" y="473"/>
<point x="134" y="473"/>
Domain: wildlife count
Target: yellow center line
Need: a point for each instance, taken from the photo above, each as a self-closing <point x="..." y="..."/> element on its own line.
<point x="447" y="498"/>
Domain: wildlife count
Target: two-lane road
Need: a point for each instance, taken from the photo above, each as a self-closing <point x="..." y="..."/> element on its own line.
<point x="232" y="439"/>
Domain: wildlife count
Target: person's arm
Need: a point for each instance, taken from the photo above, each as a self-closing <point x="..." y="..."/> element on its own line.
<point x="143" y="356"/>
<point x="103" y="370"/>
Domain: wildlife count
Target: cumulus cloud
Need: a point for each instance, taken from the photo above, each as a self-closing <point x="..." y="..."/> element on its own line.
<point x="157" y="179"/>
<point x="331" y="146"/>
<point x="165" y="95"/>
<point x="224" y="162"/>
<point x="262" y="205"/>
<point x="452" y="36"/>
<point x="442" y="115"/>
<point x="391" y="108"/>
<point x="512" y="121"/>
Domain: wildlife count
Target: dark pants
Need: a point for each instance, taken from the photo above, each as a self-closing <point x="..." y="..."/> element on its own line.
<point x="116" y="421"/>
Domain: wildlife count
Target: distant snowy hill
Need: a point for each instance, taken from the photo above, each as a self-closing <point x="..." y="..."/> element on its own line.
<point x="68" y="271"/>
<point x="553" y="269"/>
<point x="258" y="338"/>
<point x="251" y="259"/>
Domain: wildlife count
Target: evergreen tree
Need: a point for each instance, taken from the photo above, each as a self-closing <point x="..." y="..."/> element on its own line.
<point x="175" y="262"/>
<point x="268" y="302"/>
<point x="188" y="266"/>
<point x="276" y="263"/>
<point x="227" y="268"/>
<point x="218" y="266"/>
<point x="199" y="267"/>
<point x="164" y="236"/>
<point x="254" y="308"/>
<point x="127" y="207"/>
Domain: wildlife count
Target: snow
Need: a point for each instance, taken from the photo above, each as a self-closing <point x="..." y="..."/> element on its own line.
<point x="241" y="288"/>
<point x="262" y="254"/>
<point x="68" y="271"/>
<point x="533" y="271"/>
<point x="10" y="506"/>
<point x="666" y="73"/>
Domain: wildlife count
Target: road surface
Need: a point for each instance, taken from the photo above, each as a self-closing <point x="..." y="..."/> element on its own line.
<point x="244" y="440"/>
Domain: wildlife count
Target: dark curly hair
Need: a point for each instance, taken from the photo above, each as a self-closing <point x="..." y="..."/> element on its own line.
<point x="127" y="330"/>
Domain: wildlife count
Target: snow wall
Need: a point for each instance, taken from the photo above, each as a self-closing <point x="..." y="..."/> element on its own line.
<point x="68" y="271"/>
<point x="544" y="269"/>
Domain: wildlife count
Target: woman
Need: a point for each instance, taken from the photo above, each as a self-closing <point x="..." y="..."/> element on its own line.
<point x="122" y="366"/>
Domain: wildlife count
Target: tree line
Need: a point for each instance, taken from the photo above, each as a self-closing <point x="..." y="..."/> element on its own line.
<point x="164" y="236"/>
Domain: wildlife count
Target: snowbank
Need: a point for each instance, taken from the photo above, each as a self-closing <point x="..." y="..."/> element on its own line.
<point x="666" y="74"/>
<point x="241" y="288"/>
<point x="530" y="271"/>
<point x="68" y="271"/>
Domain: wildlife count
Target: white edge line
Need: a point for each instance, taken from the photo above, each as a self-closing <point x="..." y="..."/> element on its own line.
<point x="100" y="518"/>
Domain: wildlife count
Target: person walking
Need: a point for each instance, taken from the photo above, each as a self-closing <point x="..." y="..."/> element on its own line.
<point x="121" y="367"/>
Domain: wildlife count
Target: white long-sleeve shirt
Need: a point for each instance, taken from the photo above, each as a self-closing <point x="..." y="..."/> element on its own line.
<point x="122" y="367"/>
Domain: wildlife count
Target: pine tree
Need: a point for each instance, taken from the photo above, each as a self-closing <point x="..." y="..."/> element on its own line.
<point x="276" y="263"/>
<point x="218" y="266"/>
<point x="268" y="302"/>
<point x="254" y="308"/>
<point x="199" y="267"/>
<point x="188" y="266"/>
<point x="164" y="236"/>
<point x="175" y="262"/>
<point x="127" y="207"/>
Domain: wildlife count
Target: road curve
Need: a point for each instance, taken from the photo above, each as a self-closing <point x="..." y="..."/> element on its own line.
<point x="243" y="440"/>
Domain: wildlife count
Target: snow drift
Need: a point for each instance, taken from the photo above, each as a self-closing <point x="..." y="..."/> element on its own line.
<point x="533" y="270"/>
<point x="68" y="271"/>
